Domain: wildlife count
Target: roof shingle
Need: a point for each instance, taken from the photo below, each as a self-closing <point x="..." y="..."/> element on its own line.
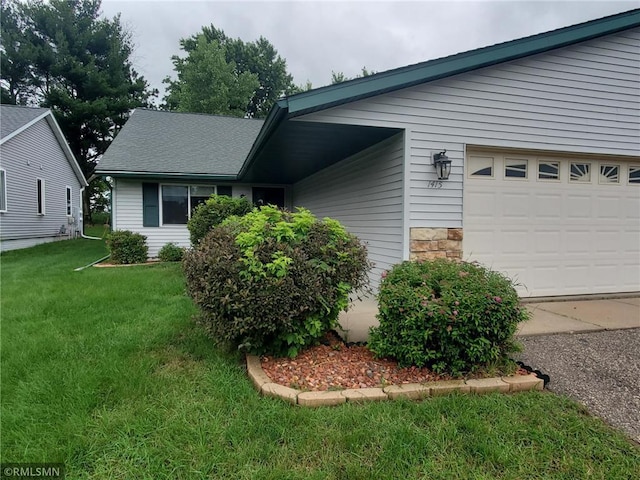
<point x="12" y="117"/>
<point x="154" y="141"/>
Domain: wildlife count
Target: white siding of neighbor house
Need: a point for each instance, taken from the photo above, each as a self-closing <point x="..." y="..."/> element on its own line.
<point x="365" y="194"/>
<point x="126" y="205"/>
<point x="35" y="153"/>
<point x="583" y="98"/>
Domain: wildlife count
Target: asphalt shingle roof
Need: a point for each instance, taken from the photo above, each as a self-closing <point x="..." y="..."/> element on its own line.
<point x="187" y="143"/>
<point x="12" y="117"/>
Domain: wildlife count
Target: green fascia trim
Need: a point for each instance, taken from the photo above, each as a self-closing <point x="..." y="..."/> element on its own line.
<point x="162" y="175"/>
<point x="411" y="75"/>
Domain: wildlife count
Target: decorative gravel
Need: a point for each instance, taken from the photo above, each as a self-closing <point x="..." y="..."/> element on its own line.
<point x="338" y="366"/>
<point x="601" y="370"/>
<point x="326" y="368"/>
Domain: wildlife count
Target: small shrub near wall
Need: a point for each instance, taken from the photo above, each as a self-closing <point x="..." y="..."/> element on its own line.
<point x="171" y="252"/>
<point x="273" y="282"/>
<point x="127" y="247"/>
<point x="453" y="317"/>
<point x="213" y="212"/>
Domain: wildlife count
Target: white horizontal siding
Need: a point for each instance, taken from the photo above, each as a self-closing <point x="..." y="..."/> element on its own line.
<point x="578" y="99"/>
<point x="127" y="207"/>
<point x="127" y="213"/>
<point x="32" y="154"/>
<point x="364" y="193"/>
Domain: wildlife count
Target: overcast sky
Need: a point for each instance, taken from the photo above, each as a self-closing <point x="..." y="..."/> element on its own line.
<point x="316" y="37"/>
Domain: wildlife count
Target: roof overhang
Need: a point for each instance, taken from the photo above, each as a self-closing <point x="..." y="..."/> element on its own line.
<point x="297" y="149"/>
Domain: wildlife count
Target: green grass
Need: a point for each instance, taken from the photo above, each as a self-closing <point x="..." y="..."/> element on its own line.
<point x="102" y="369"/>
<point x="98" y="231"/>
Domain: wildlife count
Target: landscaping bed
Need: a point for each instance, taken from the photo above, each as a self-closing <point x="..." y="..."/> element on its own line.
<point x="336" y="365"/>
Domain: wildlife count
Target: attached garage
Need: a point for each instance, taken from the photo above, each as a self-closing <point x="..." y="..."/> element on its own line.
<point x="559" y="225"/>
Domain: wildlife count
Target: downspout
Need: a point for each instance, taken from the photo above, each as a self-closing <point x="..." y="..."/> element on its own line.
<point x="82" y="213"/>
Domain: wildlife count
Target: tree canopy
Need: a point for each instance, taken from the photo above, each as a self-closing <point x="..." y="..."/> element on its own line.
<point x="339" y="77"/>
<point x="207" y="84"/>
<point x="62" y="55"/>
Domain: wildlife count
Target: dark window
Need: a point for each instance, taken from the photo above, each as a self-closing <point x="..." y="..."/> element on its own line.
<point x="268" y="196"/>
<point x="69" y="201"/>
<point x="225" y="190"/>
<point x="634" y="174"/>
<point x="40" y="187"/>
<point x="175" y="205"/>
<point x="3" y="191"/>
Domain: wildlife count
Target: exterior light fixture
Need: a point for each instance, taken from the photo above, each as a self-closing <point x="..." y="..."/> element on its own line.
<point x="442" y="164"/>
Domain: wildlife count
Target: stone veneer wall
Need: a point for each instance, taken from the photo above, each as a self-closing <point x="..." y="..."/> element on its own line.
<point x="429" y="243"/>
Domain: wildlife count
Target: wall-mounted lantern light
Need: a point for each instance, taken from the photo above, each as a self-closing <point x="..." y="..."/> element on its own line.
<point x="442" y="164"/>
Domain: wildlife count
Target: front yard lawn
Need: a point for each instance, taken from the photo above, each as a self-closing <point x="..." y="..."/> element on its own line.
<point x="103" y="370"/>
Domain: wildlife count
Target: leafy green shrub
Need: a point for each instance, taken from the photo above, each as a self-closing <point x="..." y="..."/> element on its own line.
<point x="171" y="253"/>
<point x="213" y="212"/>
<point x="100" y="218"/>
<point x="449" y="316"/>
<point x="273" y="282"/>
<point x="127" y="247"/>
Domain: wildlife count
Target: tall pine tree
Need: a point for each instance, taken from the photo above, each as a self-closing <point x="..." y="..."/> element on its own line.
<point x="62" y="55"/>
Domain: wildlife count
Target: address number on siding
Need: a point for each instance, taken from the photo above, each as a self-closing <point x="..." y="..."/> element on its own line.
<point x="434" y="184"/>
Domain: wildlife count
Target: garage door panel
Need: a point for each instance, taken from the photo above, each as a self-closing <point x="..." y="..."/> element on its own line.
<point x="547" y="206"/>
<point x="632" y="207"/>
<point x="578" y="207"/>
<point x="558" y="237"/>
<point x="546" y="242"/>
<point x="514" y="242"/>
<point x="515" y="205"/>
<point x="577" y="241"/>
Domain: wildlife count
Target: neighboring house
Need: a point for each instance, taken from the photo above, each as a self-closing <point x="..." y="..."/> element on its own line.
<point x="40" y="180"/>
<point x="542" y="133"/>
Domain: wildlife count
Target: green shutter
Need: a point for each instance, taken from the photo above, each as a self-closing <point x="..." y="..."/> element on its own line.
<point x="224" y="190"/>
<point x="150" y="205"/>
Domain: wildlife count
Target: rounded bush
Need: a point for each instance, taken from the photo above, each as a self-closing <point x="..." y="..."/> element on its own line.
<point x="213" y="212"/>
<point x="171" y="253"/>
<point x="452" y="317"/>
<point x="127" y="247"/>
<point x="273" y="282"/>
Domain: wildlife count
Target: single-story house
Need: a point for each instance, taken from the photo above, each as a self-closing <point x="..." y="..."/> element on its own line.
<point x="542" y="135"/>
<point x="41" y="182"/>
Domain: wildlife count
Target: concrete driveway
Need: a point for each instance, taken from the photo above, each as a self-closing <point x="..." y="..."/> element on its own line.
<point x="547" y="317"/>
<point x="581" y="316"/>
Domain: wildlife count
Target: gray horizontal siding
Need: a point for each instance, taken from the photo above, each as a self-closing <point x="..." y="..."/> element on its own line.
<point x="364" y="193"/>
<point x="579" y="99"/>
<point x="36" y="153"/>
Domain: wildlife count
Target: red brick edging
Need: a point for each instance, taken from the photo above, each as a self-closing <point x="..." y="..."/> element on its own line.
<point x="415" y="391"/>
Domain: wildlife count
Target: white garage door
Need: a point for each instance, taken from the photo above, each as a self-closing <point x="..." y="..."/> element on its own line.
<point x="558" y="226"/>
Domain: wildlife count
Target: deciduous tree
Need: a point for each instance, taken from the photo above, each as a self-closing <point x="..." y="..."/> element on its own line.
<point x="258" y="58"/>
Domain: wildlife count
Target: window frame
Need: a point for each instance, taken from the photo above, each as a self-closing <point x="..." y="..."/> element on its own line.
<point x="69" y="200"/>
<point x="589" y="168"/>
<point x="472" y="174"/>
<point x="189" y="209"/>
<point x="41" y="209"/>
<point x="549" y="162"/>
<point x="605" y="164"/>
<point x="3" y="193"/>
<point x="520" y="161"/>
<point x="629" y="167"/>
